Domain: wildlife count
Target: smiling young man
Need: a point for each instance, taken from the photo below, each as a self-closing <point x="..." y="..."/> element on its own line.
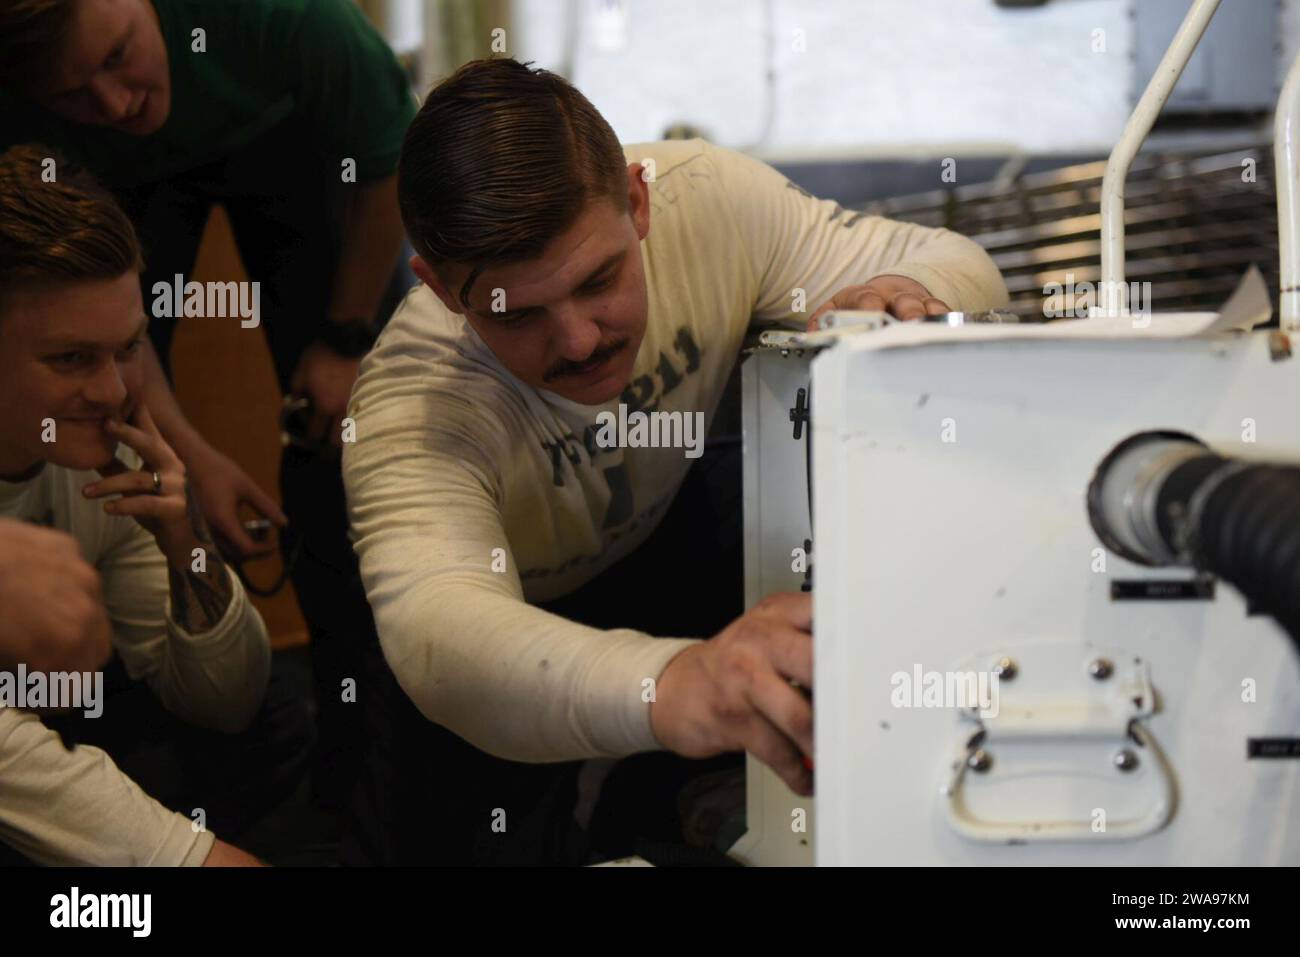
<point x="289" y="114"/>
<point x="80" y="453"/>
<point x="515" y="559"/>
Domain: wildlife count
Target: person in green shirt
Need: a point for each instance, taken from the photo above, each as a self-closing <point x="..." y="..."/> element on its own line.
<point x="290" y="114"/>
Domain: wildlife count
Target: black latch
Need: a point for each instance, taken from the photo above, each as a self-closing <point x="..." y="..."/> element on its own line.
<point x="799" y="414"/>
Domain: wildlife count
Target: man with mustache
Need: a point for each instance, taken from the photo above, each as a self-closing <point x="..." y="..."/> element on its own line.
<point x="80" y="453"/>
<point x="538" y="592"/>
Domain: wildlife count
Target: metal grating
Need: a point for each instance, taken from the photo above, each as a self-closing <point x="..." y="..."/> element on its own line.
<point x="1194" y="224"/>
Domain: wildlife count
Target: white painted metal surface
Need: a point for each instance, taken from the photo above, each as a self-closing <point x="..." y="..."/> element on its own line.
<point x="776" y="522"/>
<point x="950" y="525"/>
<point x="1054" y="714"/>
<point x="951" y="529"/>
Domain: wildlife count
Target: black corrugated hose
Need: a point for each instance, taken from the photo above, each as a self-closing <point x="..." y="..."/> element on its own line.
<point x="1241" y="522"/>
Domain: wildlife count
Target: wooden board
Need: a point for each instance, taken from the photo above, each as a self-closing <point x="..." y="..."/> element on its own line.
<point x="226" y="384"/>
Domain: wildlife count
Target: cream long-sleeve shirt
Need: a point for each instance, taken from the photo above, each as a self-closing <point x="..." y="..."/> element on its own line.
<point x="472" y="494"/>
<point x="77" y="807"/>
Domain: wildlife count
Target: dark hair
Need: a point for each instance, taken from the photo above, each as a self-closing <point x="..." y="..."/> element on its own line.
<point x="500" y="160"/>
<point x="68" y="230"/>
<point x="31" y="34"/>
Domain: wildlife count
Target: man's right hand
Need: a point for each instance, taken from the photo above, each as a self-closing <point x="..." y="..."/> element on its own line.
<point x="733" y="692"/>
<point x="54" y="617"/>
<point x="227" y="855"/>
<point x="222" y="487"/>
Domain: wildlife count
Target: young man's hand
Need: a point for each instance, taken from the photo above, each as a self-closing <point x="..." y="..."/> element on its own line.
<point x="159" y="497"/>
<point x="899" y="296"/>
<point x="326" y="378"/>
<point x="227" y="855"/>
<point x="733" y="692"/>
<point x="155" y="495"/>
<point x="54" y="617"/>
<point x="221" y="487"/>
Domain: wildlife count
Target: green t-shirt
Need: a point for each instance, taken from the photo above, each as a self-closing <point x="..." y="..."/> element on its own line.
<point x="318" y="62"/>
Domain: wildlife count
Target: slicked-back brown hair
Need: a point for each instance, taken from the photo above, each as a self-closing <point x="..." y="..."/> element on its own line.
<point x="501" y="159"/>
<point x="31" y="35"/>
<point x="69" y="230"/>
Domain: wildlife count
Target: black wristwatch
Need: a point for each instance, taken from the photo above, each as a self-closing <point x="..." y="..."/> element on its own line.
<point x="351" y="339"/>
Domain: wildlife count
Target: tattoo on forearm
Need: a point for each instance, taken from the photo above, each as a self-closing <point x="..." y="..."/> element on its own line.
<point x="199" y="599"/>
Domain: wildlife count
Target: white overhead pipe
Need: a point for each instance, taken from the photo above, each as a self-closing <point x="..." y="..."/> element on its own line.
<point x="1286" y="170"/>
<point x="1112" y="299"/>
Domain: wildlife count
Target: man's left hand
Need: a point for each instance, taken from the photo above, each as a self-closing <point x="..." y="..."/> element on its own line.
<point x="156" y="495"/>
<point x="899" y="296"/>
<point x="326" y="378"/>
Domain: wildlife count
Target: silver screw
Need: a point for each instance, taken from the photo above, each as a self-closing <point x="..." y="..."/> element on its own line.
<point x="1101" y="668"/>
<point x="1005" y="669"/>
<point x="1126" y="760"/>
<point x="980" y="761"/>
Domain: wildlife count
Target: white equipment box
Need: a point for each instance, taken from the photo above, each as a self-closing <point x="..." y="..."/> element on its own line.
<point x="776" y="525"/>
<point x="993" y="682"/>
<point x="953" y="549"/>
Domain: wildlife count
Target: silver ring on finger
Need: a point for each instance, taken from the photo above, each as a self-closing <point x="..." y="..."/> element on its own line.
<point x="157" y="483"/>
